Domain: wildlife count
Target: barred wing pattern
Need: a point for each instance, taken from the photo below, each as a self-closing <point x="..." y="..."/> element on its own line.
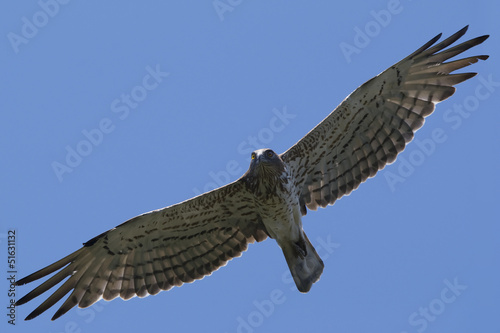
<point x="154" y="251"/>
<point x="374" y="123"/>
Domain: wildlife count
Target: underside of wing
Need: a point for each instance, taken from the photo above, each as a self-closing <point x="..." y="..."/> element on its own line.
<point x="154" y="251"/>
<point x="374" y="124"/>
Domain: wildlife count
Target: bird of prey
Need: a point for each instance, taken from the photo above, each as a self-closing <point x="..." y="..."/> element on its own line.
<point x="184" y="242"/>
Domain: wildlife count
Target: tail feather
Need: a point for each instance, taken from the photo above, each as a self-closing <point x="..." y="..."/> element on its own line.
<point x="304" y="263"/>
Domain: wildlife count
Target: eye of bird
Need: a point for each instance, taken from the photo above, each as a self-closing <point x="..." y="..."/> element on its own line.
<point x="269" y="153"/>
<point x="253" y="156"/>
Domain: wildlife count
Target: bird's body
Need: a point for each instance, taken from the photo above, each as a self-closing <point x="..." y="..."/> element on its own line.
<point x="184" y="242"/>
<point x="277" y="202"/>
<point x="274" y="193"/>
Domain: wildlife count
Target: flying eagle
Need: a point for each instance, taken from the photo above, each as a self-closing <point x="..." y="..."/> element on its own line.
<point x="187" y="241"/>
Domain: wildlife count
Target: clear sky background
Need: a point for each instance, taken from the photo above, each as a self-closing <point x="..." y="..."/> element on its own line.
<point x="415" y="249"/>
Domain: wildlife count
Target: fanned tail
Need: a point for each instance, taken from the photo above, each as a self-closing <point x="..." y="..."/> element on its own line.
<point x="304" y="263"/>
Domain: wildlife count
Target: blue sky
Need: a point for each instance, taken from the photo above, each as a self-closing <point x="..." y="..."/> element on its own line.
<point x="209" y="81"/>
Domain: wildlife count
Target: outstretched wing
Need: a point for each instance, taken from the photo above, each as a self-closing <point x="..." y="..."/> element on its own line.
<point x="154" y="251"/>
<point x="375" y="122"/>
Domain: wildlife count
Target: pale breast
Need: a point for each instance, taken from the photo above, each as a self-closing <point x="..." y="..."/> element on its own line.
<point x="278" y="210"/>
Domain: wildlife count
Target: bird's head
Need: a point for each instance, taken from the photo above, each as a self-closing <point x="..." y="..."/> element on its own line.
<point x="265" y="162"/>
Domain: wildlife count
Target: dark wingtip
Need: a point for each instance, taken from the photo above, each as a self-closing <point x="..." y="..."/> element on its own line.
<point x="60" y="312"/>
<point x="425" y="46"/>
<point x="32" y="315"/>
<point x="482" y="38"/>
<point x="460" y="32"/>
<point x="468" y="76"/>
<point x="21" y="301"/>
<point x="21" y="282"/>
